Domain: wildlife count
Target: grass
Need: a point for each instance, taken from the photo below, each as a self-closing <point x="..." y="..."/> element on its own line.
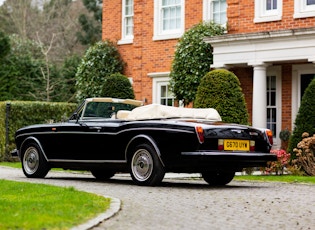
<point x="18" y="165"/>
<point x="11" y="164"/>
<point x="38" y="206"/>
<point x="275" y="178"/>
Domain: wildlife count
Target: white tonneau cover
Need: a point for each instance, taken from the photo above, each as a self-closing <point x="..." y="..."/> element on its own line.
<point x="157" y="111"/>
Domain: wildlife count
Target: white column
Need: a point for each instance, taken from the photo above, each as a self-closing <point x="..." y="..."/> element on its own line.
<point x="259" y="112"/>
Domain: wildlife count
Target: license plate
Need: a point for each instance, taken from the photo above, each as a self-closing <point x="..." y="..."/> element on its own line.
<point x="238" y="145"/>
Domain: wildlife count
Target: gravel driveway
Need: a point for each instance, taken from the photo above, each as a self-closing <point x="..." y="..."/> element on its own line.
<point x="192" y="204"/>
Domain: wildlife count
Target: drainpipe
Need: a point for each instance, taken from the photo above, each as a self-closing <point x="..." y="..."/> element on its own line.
<point x="7" y="129"/>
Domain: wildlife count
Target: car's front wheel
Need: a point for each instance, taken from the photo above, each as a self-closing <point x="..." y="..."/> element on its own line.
<point x="34" y="164"/>
<point x="218" y="178"/>
<point x="102" y="174"/>
<point x="145" y="166"/>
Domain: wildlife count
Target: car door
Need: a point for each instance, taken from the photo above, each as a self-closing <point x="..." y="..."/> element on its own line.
<point x="88" y="140"/>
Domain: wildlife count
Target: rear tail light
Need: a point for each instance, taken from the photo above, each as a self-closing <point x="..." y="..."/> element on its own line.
<point x="220" y="144"/>
<point x="252" y="146"/>
<point x="200" y="134"/>
<point x="269" y="136"/>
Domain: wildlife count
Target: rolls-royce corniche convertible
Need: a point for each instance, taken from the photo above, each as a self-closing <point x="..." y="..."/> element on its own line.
<point x="108" y="135"/>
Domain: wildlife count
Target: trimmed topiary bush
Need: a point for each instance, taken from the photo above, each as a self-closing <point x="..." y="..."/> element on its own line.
<point x="221" y="90"/>
<point x="192" y="60"/>
<point x="99" y="62"/>
<point x="118" y="86"/>
<point x="305" y="119"/>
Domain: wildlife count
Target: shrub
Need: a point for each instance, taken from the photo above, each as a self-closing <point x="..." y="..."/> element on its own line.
<point x="278" y="166"/>
<point x="192" y="60"/>
<point x="20" y="71"/>
<point x="221" y="90"/>
<point x="305" y="119"/>
<point x="27" y="113"/>
<point x="304" y="155"/>
<point x="284" y="137"/>
<point x="118" y="86"/>
<point x="4" y="45"/>
<point x="68" y="72"/>
<point x="99" y="62"/>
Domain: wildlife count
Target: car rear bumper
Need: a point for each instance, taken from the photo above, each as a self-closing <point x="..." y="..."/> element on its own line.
<point x="231" y="154"/>
<point x="227" y="160"/>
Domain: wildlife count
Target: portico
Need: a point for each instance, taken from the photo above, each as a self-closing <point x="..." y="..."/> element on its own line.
<point x="266" y="53"/>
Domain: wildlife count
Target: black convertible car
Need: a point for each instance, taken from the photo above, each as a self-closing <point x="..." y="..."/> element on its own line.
<point x="107" y="136"/>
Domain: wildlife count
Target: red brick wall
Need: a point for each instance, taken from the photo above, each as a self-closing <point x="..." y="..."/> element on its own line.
<point x="144" y="55"/>
<point x="241" y="15"/>
<point x="245" y="75"/>
<point x="286" y="96"/>
<point x="147" y="56"/>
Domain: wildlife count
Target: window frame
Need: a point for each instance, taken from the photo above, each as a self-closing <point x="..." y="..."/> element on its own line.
<point x="208" y="11"/>
<point x="302" y="10"/>
<point x="159" y="79"/>
<point x="126" y="39"/>
<point x="275" y="71"/>
<point x="264" y="15"/>
<point x="166" y="84"/>
<point x="159" y="33"/>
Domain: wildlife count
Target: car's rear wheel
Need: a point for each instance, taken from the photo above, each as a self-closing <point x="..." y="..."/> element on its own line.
<point x="145" y="166"/>
<point x="102" y="174"/>
<point x="218" y="178"/>
<point x="34" y="164"/>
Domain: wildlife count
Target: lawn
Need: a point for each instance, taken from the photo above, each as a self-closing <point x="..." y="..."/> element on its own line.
<point x="38" y="206"/>
<point x="280" y="178"/>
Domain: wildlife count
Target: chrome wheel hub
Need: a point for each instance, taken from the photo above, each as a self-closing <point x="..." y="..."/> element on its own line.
<point x="142" y="165"/>
<point x="31" y="160"/>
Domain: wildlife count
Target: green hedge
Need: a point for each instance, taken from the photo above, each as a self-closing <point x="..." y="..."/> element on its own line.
<point x="24" y="113"/>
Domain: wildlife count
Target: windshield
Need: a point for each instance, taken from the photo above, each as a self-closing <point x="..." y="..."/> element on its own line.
<point x="104" y="109"/>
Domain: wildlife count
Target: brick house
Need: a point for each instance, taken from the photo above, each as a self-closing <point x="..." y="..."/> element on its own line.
<point x="269" y="45"/>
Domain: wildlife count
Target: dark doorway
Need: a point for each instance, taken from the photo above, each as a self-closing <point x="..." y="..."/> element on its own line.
<point x="305" y="81"/>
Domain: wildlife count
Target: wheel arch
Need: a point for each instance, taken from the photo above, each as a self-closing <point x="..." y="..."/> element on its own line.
<point x="139" y="139"/>
<point x="30" y="140"/>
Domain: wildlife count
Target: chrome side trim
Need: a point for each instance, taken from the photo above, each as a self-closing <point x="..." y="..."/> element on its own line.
<point x="100" y="133"/>
<point x="37" y="142"/>
<point x="151" y="142"/>
<point x="87" y="161"/>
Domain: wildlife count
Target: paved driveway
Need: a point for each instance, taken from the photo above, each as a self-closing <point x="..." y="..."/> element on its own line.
<point x="192" y="204"/>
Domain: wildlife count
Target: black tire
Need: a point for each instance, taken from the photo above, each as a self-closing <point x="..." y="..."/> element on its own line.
<point x="102" y="174"/>
<point x="218" y="178"/>
<point x="34" y="164"/>
<point x="145" y="166"/>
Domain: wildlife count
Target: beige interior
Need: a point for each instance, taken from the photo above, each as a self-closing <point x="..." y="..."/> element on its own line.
<point x="156" y="111"/>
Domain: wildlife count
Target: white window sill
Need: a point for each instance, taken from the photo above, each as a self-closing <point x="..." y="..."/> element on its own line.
<point x="267" y="19"/>
<point x="305" y="14"/>
<point x="125" y="41"/>
<point x="167" y="36"/>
